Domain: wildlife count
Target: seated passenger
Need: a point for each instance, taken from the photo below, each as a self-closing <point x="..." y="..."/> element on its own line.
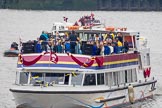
<point x="67" y="46"/>
<point x="101" y="48"/>
<point x="111" y="48"/>
<point x="59" y="48"/>
<point x="106" y="49"/>
<point x="115" y="47"/>
<point x="125" y="47"/>
<point x="120" y="45"/>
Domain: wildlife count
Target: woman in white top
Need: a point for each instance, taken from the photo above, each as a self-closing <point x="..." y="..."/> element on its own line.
<point x="102" y="48"/>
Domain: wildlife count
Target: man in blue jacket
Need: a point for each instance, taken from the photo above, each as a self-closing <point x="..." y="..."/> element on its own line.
<point x="73" y="39"/>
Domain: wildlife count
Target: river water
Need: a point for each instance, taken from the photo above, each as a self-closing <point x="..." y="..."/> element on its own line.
<point x="29" y="25"/>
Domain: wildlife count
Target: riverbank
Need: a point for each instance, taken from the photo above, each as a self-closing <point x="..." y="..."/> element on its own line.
<point x="83" y="5"/>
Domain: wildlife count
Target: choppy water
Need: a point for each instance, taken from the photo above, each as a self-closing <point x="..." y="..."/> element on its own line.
<point x="29" y="24"/>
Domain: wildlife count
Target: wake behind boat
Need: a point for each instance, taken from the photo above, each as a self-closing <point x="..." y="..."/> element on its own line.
<point x="84" y="67"/>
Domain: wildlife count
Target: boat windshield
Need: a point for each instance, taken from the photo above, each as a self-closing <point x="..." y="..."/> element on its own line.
<point x="23" y="77"/>
<point x="36" y="78"/>
<point x="50" y="78"/>
<point x="90" y="79"/>
<point x="56" y="78"/>
<point x="76" y="79"/>
<point x="42" y="78"/>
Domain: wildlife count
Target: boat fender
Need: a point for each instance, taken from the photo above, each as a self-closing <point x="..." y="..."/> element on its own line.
<point x="153" y="86"/>
<point x="131" y="94"/>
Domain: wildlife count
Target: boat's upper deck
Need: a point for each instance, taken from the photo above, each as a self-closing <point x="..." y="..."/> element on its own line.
<point x="85" y="48"/>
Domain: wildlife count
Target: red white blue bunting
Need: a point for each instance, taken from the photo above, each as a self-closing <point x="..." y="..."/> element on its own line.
<point x="53" y="58"/>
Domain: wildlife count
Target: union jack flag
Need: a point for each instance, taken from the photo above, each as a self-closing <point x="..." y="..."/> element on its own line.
<point x="65" y="19"/>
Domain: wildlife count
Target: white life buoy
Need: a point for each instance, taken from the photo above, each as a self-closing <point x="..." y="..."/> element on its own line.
<point x="131" y="94"/>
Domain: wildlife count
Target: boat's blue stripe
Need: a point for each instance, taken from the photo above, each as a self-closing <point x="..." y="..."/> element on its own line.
<point x="77" y="66"/>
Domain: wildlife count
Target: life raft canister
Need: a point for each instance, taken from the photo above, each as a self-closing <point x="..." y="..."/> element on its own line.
<point x="121" y="29"/>
<point x="110" y="28"/>
<point x="73" y="27"/>
<point x="86" y="27"/>
<point x="131" y="94"/>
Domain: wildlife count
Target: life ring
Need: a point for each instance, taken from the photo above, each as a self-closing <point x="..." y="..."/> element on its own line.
<point x="131" y="94"/>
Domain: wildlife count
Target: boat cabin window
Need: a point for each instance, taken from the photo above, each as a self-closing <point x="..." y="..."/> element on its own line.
<point x="116" y="78"/>
<point x="100" y="79"/>
<point x="109" y="79"/>
<point x="77" y="79"/>
<point x="148" y="59"/>
<point x="130" y="40"/>
<point x="130" y="75"/>
<point x="51" y="78"/>
<point x="24" y="77"/>
<point x="54" y="28"/>
<point x="36" y="78"/>
<point x="89" y="79"/>
<point x="56" y="78"/>
<point x="120" y="77"/>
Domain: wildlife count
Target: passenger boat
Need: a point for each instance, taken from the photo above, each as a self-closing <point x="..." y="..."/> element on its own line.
<point x="11" y="53"/>
<point x="66" y="80"/>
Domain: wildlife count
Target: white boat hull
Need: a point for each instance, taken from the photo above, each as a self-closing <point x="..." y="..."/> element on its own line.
<point x="68" y="99"/>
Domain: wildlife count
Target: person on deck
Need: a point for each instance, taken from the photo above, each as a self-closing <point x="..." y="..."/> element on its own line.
<point x="59" y="47"/>
<point x="67" y="46"/>
<point x="106" y="49"/>
<point x="120" y="37"/>
<point x="54" y="46"/>
<point x="44" y="37"/>
<point x="73" y="39"/>
<point x="125" y="47"/>
<point x="94" y="49"/>
<point x="119" y="44"/>
<point x="115" y="47"/>
<point x="111" y="48"/>
<point x="38" y="47"/>
<point x="102" y="48"/>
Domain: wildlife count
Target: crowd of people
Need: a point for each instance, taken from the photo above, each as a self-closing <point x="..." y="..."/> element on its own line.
<point x="110" y="44"/>
<point x="69" y="42"/>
